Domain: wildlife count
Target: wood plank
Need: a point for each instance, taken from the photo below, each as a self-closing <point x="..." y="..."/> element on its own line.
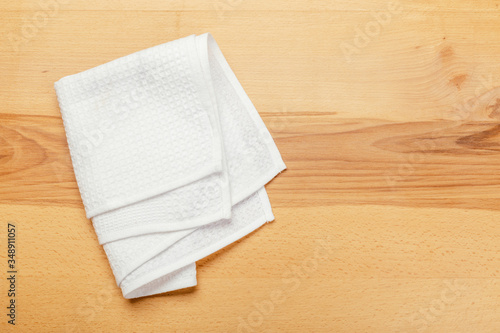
<point x="386" y="218"/>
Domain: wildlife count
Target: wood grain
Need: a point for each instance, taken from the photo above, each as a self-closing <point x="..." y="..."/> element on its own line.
<point x="386" y="218"/>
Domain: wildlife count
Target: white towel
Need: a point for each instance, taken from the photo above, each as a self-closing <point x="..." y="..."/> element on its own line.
<point x="138" y="127"/>
<point x="164" y="142"/>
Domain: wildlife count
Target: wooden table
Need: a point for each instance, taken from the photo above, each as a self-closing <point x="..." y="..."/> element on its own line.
<point x="387" y="116"/>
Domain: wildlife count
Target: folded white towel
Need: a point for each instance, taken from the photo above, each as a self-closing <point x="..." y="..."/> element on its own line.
<point x="164" y="142"/>
<point x="138" y="127"/>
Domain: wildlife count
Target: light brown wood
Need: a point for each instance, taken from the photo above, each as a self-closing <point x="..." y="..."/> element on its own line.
<point x="386" y="219"/>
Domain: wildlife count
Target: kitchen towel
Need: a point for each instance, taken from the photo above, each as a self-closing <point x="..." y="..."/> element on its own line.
<point x="143" y="126"/>
<point x="170" y="158"/>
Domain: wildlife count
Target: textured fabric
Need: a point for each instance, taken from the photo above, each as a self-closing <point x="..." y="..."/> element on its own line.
<point x="153" y="228"/>
<point x="198" y="203"/>
<point x="161" y="133"/>
<point x="139" y="126"/>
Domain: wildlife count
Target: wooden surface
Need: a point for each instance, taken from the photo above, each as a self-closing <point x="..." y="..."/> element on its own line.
<point x="387" y="219"/>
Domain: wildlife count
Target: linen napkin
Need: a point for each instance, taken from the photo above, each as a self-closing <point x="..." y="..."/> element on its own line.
<point x="164" y="142"/>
